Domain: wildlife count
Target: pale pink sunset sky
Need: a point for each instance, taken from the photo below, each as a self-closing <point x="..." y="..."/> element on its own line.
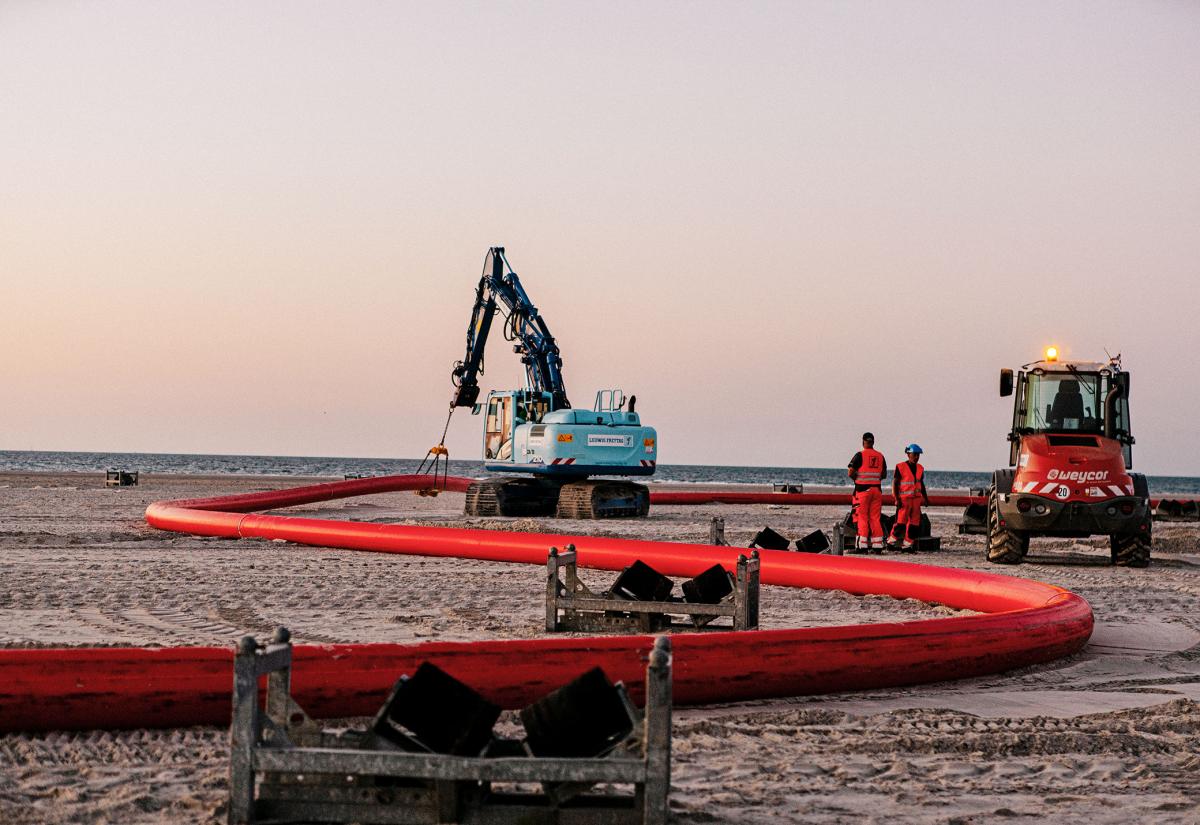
<point x="257" y="227"/>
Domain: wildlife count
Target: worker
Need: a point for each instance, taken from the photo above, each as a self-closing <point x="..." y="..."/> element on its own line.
<point x="908" y="488"/>
<point x="868" y="469"/>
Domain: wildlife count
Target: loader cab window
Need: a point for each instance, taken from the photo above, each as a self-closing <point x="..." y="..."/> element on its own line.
<point x="498" y="430"/>
<point x="1059" y="402"/>
<point x="1122" y="429"/>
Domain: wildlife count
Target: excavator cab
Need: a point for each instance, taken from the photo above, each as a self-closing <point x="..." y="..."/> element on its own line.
<point x="497" y="431"/>
<point x="507" y="410"/>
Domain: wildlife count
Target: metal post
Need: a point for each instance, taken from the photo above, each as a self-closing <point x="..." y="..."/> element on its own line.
<point x="279" y="684"/>
<point x="752" y="581"/>
<point x="566" y="562"/>
<point x="716" y="531"/>
<point x="741" y="603"/>
<point x="552" y="590"/>
<point x="243" y="733"/>
<point x="658" y="733"/>
<point x="446" y="802"/>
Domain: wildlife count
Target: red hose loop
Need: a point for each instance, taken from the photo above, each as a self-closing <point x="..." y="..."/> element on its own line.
<point x="1020" y="623"/>
<point x="757" y="497"/>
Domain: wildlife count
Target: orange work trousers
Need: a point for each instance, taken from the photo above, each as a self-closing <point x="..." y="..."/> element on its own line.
<point x="908" y="520"/>
<point x="866" y="512"/>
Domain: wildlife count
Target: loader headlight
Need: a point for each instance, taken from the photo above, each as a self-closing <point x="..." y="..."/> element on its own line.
<point x="1112" y="511"/>
<point x="1041" y="509"/>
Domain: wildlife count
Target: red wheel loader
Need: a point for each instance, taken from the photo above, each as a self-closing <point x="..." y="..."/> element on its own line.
<point x="1070" y="454"/>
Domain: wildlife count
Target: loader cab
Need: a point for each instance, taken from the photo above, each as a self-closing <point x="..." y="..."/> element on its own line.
<point x="507" y="410"/>
<point x="1069" y="399"/>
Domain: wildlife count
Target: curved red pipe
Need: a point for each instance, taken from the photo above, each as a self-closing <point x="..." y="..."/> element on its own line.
<point x="274" y="498"/>
<point x="842" y="498"/>
<point x="1023" y="623"/>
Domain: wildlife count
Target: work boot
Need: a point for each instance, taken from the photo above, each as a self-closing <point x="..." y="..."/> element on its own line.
<point x="876" y="546"/>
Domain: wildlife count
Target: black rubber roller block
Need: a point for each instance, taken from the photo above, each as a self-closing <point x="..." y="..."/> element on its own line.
<point x="583" y="718"/>
<point x="768" y="539"/>
<point x="814" y="542"/>
<point x="642" y="583"/>
<point x="975" y="513"/>
<point x="438" y="712"/>
<point x="709" y="587"/>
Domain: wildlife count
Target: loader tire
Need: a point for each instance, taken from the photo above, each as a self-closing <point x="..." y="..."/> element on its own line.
<point x="1004" y="545"/>
<point x="1131" y="549"/>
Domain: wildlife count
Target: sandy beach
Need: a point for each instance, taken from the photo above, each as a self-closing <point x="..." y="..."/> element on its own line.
<point x="1111" y="734"/>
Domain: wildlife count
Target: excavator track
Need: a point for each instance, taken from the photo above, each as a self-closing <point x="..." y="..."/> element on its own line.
<point x="519" y="497"/>
<point x="603" y="498"/>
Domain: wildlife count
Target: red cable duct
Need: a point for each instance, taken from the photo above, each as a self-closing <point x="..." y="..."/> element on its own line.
<point x="842" y="498"/>
<point x="936" y="499"/>
<point x="1023" y="623"/>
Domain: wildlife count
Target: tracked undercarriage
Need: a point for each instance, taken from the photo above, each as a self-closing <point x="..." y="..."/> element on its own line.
<point x="588" y="499"/>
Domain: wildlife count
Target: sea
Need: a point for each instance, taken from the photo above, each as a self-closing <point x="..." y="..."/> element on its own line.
<point x="330" y="466"/>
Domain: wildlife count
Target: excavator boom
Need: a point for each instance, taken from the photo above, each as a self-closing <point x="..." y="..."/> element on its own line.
<point x="500" y="286"/>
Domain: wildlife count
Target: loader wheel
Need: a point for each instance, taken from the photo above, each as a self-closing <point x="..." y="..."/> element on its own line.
<point x="1131" y="549"/>
<point x="1004" y="546"/>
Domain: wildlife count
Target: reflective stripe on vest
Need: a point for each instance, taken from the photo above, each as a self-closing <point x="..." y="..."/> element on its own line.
<point x="871" y="471"/>
<point x="910" y="484"/>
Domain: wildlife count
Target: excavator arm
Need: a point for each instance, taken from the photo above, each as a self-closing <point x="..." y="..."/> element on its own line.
<point x="500" y="289"/>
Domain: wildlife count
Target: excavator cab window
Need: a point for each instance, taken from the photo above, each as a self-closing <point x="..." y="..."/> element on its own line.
<point x="498" y="430"/>
<point x="532" y="407"/>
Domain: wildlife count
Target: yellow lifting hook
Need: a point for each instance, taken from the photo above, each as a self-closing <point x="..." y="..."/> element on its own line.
<point x="436" y="463"/>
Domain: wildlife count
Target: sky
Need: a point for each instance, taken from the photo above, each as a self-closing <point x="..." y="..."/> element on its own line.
<point x="256" y="228"/>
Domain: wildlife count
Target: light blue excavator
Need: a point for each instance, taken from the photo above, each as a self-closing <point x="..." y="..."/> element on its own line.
<point x="535" y="431"/>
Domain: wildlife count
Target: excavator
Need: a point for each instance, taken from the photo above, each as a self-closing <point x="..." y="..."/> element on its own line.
<point x="535" y="431"/>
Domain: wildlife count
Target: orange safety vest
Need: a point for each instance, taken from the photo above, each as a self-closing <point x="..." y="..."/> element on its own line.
<point x="910" y="482"/>
<point x="871" y="471"/>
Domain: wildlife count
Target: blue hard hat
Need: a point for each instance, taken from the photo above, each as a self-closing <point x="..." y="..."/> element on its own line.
<point x="914" y="448"/>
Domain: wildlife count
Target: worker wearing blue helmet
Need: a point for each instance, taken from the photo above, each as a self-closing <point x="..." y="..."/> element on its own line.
<point x="908" y="488"/>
